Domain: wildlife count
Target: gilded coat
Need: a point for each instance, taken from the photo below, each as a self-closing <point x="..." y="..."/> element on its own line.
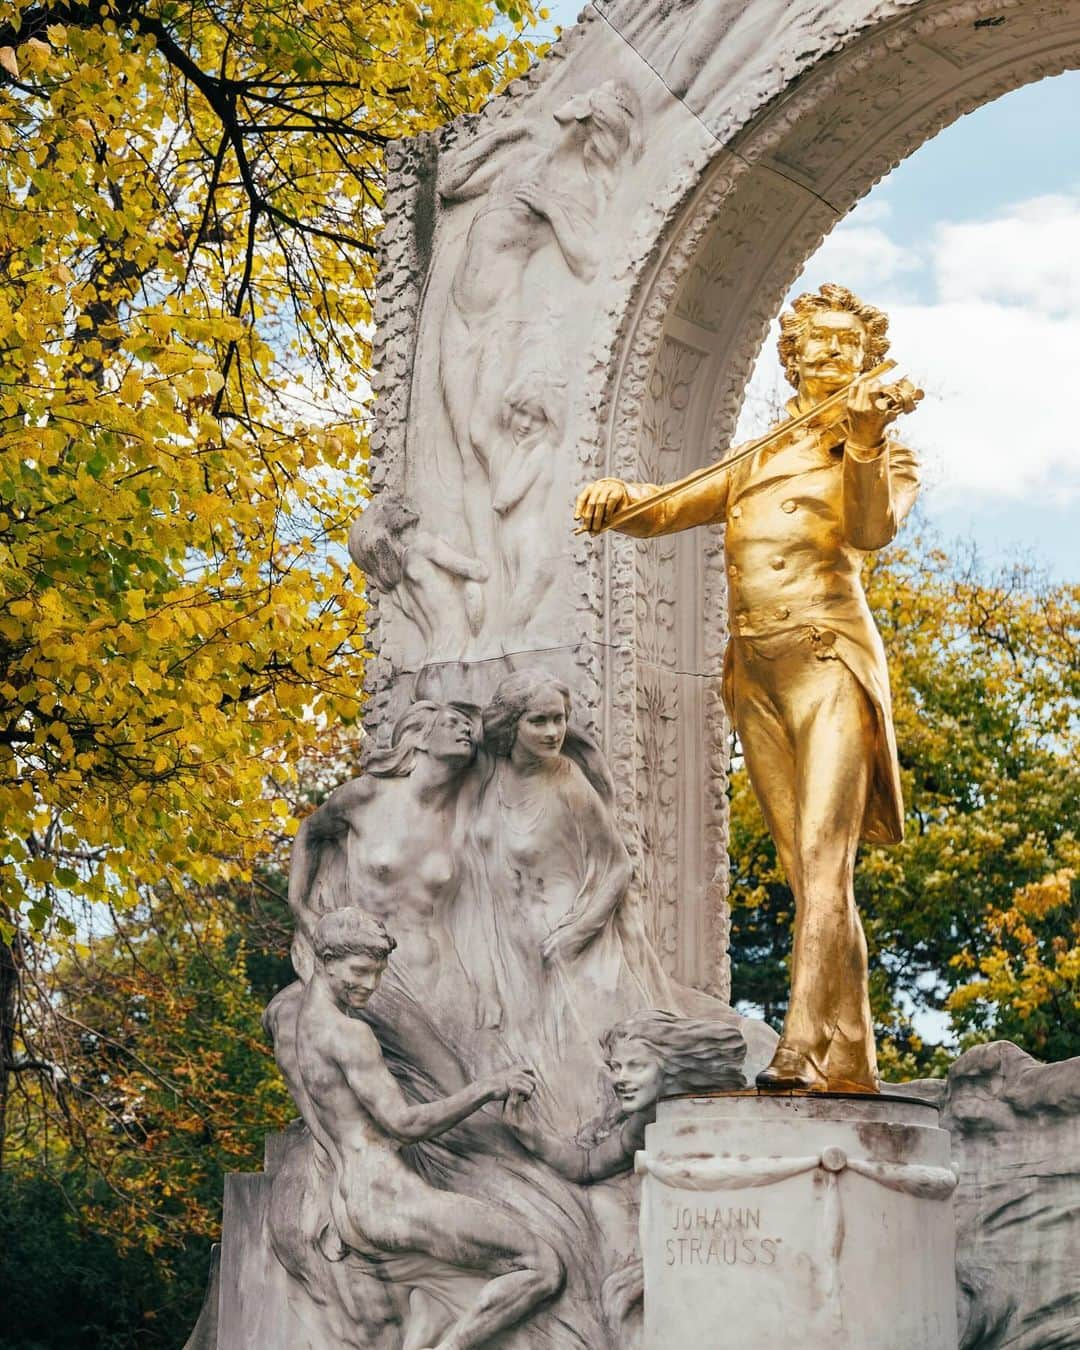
<point x="799" y="521"/>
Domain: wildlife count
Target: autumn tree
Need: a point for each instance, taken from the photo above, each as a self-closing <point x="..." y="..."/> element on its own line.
<point x="163" y="1081"/>
<point x="976" y="913"/>
<point x="190" y="200"/>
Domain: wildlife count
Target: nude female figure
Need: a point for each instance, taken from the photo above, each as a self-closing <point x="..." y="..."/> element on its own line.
<point x="412" y="1233"/>
<point x="533" y="418"/>
<point x="391" y="840"/>
<point x="551" y="193"/>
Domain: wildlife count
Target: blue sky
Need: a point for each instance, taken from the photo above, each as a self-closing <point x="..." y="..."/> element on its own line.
<point x="973" y="247"/>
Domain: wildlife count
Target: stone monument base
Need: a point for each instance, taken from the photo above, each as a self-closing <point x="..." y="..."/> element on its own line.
<point x="817" y="1220"/>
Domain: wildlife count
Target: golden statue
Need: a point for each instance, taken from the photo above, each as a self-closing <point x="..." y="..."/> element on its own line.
<point x="805" y="680"/>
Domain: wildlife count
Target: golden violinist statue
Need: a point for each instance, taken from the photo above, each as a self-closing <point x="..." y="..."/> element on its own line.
<point x="805" y="679"/>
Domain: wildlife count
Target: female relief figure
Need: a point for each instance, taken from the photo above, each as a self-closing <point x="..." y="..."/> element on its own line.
<point x="648" y="1056"/>
<point x="566" y="936"/>
<point x="549" y="194"/>
<point x="390" y="841"/>
<point x="533" y="418"/>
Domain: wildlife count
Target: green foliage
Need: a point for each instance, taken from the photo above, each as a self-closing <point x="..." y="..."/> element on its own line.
<point x="67" y="1287"/>
<point x="162" y="1082"/>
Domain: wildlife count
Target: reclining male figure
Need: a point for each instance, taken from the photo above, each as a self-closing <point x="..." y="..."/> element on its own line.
<point x="380" y="1207"/>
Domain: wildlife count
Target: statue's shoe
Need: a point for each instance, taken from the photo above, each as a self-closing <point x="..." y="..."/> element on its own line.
<point x="791" y="1071"/>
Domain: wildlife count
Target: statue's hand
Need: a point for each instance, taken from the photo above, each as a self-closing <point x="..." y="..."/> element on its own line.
<point x="870" y="409"/>
<point x="516" y="1082"/>
<point x="597" y="503"/>
<point x="867" y="416"/>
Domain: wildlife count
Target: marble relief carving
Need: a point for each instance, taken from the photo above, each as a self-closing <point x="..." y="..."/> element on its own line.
<point x="431" y="584"/>
<point x="466" y="933"/>
<point x="542" y="192"/>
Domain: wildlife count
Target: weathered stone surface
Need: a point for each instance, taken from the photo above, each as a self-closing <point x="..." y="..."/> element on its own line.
<point x="1015" y="1129"/>
<point x="820" y="1220"/>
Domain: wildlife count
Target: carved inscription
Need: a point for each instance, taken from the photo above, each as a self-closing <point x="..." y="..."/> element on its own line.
<point x="715" y="1236"/>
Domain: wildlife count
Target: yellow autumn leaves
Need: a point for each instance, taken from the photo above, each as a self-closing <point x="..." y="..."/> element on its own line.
<point x="187" y="220"/>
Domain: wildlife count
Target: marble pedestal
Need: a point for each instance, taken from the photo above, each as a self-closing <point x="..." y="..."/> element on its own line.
<point x="817" y="1221"/>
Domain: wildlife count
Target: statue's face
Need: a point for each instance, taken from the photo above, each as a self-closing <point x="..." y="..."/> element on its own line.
<point x="526" y="419"/>
<point x="451" y="736"/>
<point x="637" y="1075"/>
<point x="541" y="728"/>
<point x="353" y="979"/>
<point x="831" y="351"/>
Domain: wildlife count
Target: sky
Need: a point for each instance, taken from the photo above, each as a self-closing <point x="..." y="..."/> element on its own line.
<point x="972" y="246"/>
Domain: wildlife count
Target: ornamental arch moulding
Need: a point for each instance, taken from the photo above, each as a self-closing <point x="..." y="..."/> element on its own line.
<point x="576" y="283"/>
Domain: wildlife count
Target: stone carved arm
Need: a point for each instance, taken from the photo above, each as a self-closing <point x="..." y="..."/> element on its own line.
<point x="472" y="170"/>
<point x="411" y="1122"/>
<point x="458" y="564"/>
<point x="572" y="222"/>
<point x="571" y="1160"/>
<point x="879" y="489"/>
<point x="329" y="822"/>
<point x="606" y="882"/>
<point x="520" y="477"/>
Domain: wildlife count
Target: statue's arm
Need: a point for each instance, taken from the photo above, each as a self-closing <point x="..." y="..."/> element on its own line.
<point x="691" y="503"/>
<point x="572" y="221"/>
<point x="570" y="1160"/>
<point x="879" y="489"/>
<point x="409" y="1122"/>
<point x="520" y="476"/>
<point x="328" y="822"/>
<point x="604" y="886"/>
<point x="458" y="564"/>
<point x="473" y="169"/>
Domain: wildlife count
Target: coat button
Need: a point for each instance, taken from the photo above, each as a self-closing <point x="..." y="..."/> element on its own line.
<point x="826" y="637"/>
<point x="778" y="564"/>
<point x="783" y="612"/>
<point x="735" y="512"/>
<point x="733" y="570"/>
<point x="787" y="506"/>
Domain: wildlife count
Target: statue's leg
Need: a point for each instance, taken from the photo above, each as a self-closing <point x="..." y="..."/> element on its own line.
<point x="829" y="1012"/>
<point x="768" y="747"/>
<point x="466" y="1235"/>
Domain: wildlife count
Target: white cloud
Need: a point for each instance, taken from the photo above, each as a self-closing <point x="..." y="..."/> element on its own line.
<point x="860" y="255"/>
<point x="1028" y="256"/>
<point x="996" y="347"/>
<point x="996" y="421"/>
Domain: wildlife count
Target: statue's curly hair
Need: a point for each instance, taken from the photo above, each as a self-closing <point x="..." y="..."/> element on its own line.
<point x="793" y="324"/>
<point x="351" y="932"/>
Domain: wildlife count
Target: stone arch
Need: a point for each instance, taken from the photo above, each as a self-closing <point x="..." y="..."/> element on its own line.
<point x="692" y="330"/>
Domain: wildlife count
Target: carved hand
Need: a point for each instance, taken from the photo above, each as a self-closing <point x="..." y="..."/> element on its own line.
<point x="597" y="503"/>
<point x="516" y="1082"/>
